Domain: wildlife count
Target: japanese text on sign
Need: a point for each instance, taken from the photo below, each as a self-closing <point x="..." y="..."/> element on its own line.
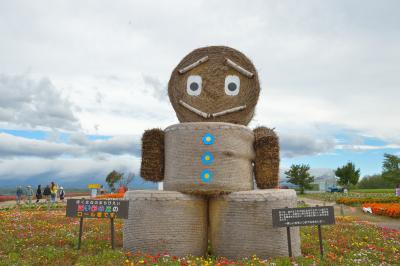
<point x="303" y="216"/>
<point x="97" y="208"/>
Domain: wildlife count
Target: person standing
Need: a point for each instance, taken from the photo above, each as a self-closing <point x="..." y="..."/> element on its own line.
<point x="62" y="194"/>
<point x="46" y="194"/>
<point x="38" y="193"/>
<point x="19" y="194"/>
<point x="29" y="194"/>
<point x="53" y="189"/>
<point x="398" y="190"/>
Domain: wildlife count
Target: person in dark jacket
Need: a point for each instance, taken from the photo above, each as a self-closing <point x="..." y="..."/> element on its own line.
<point x="47" y="192"/>
<point x="38" y="193"/>
<point x="19" y="194"/>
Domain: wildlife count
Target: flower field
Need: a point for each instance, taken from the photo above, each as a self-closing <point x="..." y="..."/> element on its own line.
<point x="355" y="198"/>
<point x="111" y="196"/>
<point x="387" y="209"/>
<point x="41" y="237"/>
<point x="358" y="201"/>
<point x="6" y="198"/>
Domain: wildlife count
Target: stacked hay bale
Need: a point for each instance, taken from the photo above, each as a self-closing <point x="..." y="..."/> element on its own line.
<point x="165" y="221"/>
<point x="241" y="224"/>
<point x="227" y="157"/>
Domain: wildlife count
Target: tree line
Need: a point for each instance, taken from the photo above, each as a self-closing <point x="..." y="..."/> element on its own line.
<point x="348" y="176"/>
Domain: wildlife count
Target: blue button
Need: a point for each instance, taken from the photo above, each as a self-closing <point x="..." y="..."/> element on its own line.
<point x="206" y="176"/>
<point x="208" y="139"/>
<point x="207" y="158"/>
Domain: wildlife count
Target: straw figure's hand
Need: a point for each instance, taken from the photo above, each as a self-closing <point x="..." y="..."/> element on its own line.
<point x="152" y="168"/>
<point x="266" y="163"/>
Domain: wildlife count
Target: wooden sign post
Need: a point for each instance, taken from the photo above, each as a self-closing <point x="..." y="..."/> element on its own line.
<point x="289" y="217"/>
<point x="87" y="208"/>
<point x="80" y="232"/>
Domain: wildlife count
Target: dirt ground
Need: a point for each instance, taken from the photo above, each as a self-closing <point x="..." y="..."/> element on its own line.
<point x="42" y="201"/>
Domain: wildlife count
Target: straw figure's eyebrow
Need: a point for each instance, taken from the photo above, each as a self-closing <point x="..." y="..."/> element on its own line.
<point x="193" y="65"/>
<point x="238" y="68"/>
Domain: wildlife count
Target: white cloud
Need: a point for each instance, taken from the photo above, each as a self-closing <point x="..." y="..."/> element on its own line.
<point x="34" y="103"/>
<point x="366" y="147"/>
<point x="334" y="63"/>
<point x="79" y="146"/>
<point x="299" y="145"/>
<point x="325" y="68"/>
<point x="11" y="146"/>
<point x="156" y="88"/>
<point x="65" y="170"/>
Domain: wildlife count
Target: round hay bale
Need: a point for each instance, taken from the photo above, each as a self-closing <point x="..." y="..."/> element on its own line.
<point x="165" y="221"/>
<point x="241" y="224"/>
<point x="208" y="158"/>
<point x="213" y="64"/>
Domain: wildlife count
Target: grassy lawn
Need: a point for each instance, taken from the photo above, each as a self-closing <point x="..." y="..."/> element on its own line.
<point x="41" y="237"/>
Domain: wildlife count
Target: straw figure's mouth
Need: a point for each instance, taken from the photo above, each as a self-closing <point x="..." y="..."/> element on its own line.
<point x="209" y="115"/>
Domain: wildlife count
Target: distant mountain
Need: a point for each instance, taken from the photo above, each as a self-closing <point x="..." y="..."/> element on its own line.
<point x="76" y="182"/>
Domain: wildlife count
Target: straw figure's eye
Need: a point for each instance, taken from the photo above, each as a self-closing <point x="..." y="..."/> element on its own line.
<point x="193" y="85"/>
<point x="232" y="85"/>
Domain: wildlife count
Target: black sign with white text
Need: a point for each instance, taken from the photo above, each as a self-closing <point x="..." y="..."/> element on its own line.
<point x="288" y="217"/>
<point x="102" y="208"/>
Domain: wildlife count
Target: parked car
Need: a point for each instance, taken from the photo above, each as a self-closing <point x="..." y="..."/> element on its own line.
<point x="334" y="189"/>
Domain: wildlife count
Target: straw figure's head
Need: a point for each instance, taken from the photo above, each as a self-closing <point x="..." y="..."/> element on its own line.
<point x="214" y="84"/>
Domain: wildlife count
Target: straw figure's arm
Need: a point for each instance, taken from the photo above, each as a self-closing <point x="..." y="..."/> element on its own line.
<point x="152" y="168"/>
<point x="266" y="163"/>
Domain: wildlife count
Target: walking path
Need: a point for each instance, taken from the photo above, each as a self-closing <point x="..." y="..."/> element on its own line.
<point x="12" y="203"/>
<point x="379" y="220"/>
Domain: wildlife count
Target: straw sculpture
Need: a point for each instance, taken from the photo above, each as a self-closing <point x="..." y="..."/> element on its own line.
<point x="212" y="155"/>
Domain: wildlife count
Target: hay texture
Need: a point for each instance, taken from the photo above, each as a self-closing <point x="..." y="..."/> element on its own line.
<point x="152" y="166"/>
<point x="241" y="224"/>
<point x="266" y="163"/>
<point x="230" y="150"/>
<point x="165" y="221"/>
<point x="213" y="64"/>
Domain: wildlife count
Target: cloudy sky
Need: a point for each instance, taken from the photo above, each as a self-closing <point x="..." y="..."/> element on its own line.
<point x="81" y="80"/>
